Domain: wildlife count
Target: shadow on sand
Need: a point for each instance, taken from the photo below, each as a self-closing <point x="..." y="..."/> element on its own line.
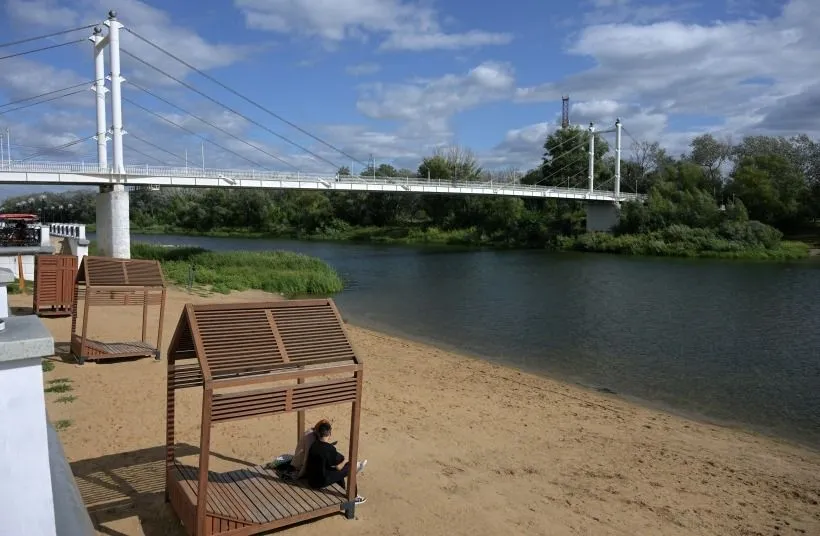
<point x="131" y="484"/>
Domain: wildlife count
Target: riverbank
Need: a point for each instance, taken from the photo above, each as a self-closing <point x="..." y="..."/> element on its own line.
<point x="456" y="446"/>
<point x="283" y="272"/>
<point x="695" y="243"/>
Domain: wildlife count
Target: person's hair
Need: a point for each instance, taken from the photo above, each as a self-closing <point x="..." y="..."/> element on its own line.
<point x="321" y="422"/>
<point x="323" y="429"/>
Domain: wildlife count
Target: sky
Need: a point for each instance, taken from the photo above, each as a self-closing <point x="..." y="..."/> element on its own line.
<point x="393" y="80"/>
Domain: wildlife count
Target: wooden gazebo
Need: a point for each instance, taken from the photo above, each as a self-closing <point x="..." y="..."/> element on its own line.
<point x="231" y="351"/>
<point x="54" y="277"/>
<point x="102" y="282"/>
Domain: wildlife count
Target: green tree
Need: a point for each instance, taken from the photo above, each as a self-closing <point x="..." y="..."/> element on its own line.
<point x="772" y="189"/>
<point x="566" y="158"/>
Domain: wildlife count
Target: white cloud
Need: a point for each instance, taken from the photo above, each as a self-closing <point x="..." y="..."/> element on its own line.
<point x="408" y="25"/>
<point x="362" y="69"/>
<point x="432" y="102"/>
<point x="612" y="11"/>
<point x="698" y="69"/>
<point x="152" y="23"/>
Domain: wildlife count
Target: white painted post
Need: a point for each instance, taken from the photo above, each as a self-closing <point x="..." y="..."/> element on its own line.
<point x="100" y="90"/>
<point x="617" y="158"/>
<point x="113" y="225"/>
<point x="116" y="89"/>
<point x="591" y="157"/>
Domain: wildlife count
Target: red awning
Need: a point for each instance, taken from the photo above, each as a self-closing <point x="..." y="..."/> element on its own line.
<point x="24" y="217"/>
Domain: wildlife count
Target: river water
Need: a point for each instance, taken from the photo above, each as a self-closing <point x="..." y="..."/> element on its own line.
<point x="729" y="341"/>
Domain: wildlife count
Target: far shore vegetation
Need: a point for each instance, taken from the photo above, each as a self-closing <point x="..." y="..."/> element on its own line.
<point x="720" y="199"/>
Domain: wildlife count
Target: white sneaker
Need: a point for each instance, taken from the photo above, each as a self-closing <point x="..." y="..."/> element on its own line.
<point x="360" y="500"/>
<point x="360" y="466"/>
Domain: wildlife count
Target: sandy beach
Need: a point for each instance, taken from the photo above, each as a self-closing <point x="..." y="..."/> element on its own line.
<point x="456" y="446"/>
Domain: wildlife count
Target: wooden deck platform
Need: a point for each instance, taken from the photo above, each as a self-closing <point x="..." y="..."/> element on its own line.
<point x="95" y="350"/>
<point x="249" y="501"/>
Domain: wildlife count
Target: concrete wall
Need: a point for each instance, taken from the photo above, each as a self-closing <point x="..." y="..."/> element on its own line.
<point x="602" y="217"/>
<point x="69" y="511"/>
<point x="38" y="494"/>
<point x="26" y="501"/>
<point x="8" y="259"/>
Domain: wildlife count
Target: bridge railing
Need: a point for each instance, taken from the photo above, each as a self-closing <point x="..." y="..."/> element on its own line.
<point x="325" y="179"/>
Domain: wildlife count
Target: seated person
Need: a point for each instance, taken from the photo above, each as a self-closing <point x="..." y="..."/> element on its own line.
<point x="324" y="461"/>
<point x="302" y="449"/>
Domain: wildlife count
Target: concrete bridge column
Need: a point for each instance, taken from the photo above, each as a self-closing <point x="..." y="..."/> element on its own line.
<point x="602" y="216"/>
<point x="113" y="223"/>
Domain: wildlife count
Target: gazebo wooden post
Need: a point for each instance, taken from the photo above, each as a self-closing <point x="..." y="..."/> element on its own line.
<point x="170" y="403"/>
<point x="204" y="455"/>
<point x="145" y="315"/>
<point x="84" y="335"/>
<point x="355" y="420"/>
<point x="300" y="416"/>
<point x="74" y="310"/>
<point x="161" y="323"/>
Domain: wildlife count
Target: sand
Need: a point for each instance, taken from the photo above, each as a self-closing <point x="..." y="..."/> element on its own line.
<point x="455" y="446"/>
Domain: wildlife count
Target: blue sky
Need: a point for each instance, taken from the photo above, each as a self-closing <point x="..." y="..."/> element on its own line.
<point x="399" y="78"/>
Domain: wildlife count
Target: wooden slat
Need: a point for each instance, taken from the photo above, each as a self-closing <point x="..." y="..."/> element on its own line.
<point x="105" y="271"/>
<point x="255" y="495"/>
<point x="255" y="339"/>
<point x="274" y="400"/>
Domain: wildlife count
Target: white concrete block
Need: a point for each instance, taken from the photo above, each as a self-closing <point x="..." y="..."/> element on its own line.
<point x="26" y="500"/>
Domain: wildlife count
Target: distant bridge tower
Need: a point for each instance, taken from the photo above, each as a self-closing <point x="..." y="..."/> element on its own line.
<point x="565" y="111"/>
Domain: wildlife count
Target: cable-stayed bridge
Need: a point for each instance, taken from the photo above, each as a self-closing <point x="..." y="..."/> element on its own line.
<point x="116" y="178"/>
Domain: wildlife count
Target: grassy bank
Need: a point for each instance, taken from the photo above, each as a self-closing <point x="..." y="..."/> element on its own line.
<point x="699" y="244"/>
<point x="282" y="272"/>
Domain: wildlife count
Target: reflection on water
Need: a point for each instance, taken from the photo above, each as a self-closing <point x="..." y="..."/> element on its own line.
<point x="732" y="341"/>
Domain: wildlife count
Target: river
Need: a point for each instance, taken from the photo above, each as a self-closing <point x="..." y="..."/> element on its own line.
<point x="733" y="342"/>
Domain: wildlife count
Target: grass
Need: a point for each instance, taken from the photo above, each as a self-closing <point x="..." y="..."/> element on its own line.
<point x="281" y="272"/>
<point x="48" y="366"/>
<point x="60" y="380"/>
<point x="657" y="244"/>
<point x="62" y="424"/>
<point x="60" y="387"/>
<point x="65" y="399"/>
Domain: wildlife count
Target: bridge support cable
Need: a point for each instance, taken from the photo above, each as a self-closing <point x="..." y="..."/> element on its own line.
<point x="243" y="97"/>
<point x="232" y="110"/>
<point x="146" y="155"/>
<point x="29" y="105"/>
<point x="189" y="131"/>
<point x="57" y="148"/>
<point x="46" y="36"/>
<point x="47" y="93"/>
<point x="157" y="147"/>
<point x="32" y="51"/>
<point x="570" y="163"/>
<point x="212" y="125"/>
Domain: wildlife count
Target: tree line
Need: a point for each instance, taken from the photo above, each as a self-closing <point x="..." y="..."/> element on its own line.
<point x="762" y="186"/>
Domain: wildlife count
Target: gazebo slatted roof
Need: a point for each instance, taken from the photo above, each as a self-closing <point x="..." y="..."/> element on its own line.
<point x="108" y="272"/>
<point x="262" y="338"/>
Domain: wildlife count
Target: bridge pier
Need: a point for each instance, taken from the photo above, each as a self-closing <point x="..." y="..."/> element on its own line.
<point x="602" y="217"/>
<point x="113" y="223"/>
